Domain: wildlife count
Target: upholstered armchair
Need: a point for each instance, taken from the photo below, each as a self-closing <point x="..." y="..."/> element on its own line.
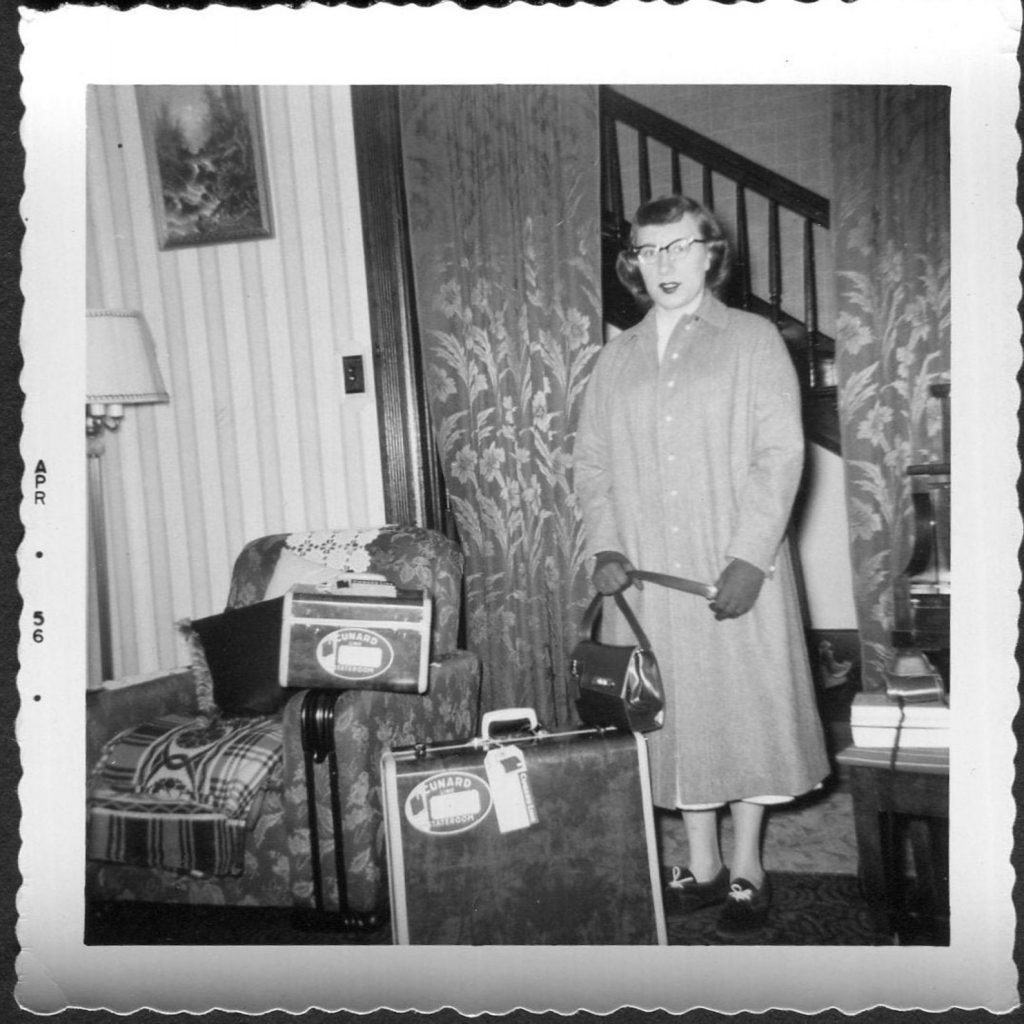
<point x="188" y="804"/>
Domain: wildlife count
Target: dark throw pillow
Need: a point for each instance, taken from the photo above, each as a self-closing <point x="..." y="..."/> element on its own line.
<point x="242" y="647"/>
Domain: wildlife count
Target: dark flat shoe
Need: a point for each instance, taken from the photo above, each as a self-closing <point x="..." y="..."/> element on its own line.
<point x="746" y="909"/>
<point x="685" y="893"/>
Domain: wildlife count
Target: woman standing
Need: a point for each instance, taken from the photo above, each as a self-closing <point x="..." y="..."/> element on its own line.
<point x="688" y="457"/>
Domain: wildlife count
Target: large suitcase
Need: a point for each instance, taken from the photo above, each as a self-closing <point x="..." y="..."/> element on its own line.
<point x="539" y="838"/>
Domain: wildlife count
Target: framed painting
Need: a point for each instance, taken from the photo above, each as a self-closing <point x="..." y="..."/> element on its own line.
<point x="206" y="162"/>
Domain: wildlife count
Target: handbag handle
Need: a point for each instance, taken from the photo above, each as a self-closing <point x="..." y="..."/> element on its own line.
<point x="590" y="619"/>
<point x="705" y="590"/>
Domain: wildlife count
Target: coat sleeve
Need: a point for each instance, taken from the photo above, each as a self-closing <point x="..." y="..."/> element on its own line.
<point x="776" y="456"/>
<point x="592" y="476"/>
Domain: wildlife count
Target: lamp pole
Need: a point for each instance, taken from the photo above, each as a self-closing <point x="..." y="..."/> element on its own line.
<point x="98" y="529"/>
<point x="121" y="369"/>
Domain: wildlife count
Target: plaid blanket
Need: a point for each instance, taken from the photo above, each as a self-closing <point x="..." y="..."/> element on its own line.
<point x="219" y="763"/>
<point x="174" y="793"/>
<point x="127" y="829"/>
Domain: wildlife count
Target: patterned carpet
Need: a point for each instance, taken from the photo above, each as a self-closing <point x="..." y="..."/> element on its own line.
<point x="807" y="910"/>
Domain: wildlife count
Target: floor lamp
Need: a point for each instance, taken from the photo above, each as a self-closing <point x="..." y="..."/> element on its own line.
<point x="121" y="369"/>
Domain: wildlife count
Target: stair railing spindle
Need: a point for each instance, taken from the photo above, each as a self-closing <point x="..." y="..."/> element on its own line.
<point x="811" y="306"/>
<point x="742" y="246"/>
<point x="644" y="161"/>
<point x="708" y="188"/>
<point x="677" y="173"/>
<point x="774" y="262"/>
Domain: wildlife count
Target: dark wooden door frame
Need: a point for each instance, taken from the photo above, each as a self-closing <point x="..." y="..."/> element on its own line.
<point x="413" y="487"/>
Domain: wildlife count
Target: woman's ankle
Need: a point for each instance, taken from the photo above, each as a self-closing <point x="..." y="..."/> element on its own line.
<point x="704" y="869"/>
<point x="751" y="871"/>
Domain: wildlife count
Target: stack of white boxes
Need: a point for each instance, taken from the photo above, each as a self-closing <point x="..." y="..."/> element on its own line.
<point x="874" y="720"/>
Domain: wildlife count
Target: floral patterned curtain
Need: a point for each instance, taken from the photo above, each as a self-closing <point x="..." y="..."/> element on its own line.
<point x="891" y="187"/>
<point x="503" y="192"/>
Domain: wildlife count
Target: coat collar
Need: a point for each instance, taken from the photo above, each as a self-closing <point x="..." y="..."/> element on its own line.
<point x="710" y="311"/>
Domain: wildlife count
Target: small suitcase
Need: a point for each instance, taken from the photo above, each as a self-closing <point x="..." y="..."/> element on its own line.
<point x="361" y="637"/>
<point x="538" y="838"/>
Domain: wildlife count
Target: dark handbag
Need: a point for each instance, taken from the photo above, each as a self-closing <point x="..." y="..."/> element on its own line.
<point x="619" y="686"/>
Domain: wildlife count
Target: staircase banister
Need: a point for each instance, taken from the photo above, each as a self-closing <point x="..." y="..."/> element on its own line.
<point x="751" y="175"/>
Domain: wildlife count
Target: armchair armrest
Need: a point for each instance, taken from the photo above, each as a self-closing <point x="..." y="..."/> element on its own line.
<point x="109" y="710"/>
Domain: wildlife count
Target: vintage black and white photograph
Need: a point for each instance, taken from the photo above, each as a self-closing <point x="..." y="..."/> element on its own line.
<point x="535" y="538"/>
<point x="565" y="456"/>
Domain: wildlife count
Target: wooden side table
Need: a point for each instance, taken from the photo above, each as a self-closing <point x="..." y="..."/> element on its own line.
<point x="893" y="808"/>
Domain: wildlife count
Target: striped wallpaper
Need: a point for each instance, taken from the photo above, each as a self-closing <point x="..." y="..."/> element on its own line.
<point x="259" y="435"/>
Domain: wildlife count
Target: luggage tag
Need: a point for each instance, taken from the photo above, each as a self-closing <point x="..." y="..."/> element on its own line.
<point x="510" y="788"/>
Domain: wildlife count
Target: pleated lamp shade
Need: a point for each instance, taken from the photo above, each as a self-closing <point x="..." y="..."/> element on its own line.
<point x="121" y="366"/>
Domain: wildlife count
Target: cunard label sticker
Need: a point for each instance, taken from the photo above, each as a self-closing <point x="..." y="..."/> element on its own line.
<point x="447" y="803"/>
<point x="355" y="654"/>
<point x="510" y="788"/>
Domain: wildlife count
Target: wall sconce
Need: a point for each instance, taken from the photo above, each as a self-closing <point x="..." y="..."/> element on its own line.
<point x="121" y="369"/>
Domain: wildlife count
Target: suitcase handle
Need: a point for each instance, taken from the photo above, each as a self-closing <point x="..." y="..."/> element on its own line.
<point x="506" y="716"/>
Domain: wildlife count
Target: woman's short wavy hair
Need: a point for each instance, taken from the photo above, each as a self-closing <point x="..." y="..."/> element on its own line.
<point x="667" y="210"/>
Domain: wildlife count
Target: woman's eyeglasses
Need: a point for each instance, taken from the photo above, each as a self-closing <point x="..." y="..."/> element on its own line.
<point x="677" y="249"/>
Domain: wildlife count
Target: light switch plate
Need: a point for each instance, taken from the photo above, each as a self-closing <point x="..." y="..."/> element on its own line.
<point x="352" y="372"/>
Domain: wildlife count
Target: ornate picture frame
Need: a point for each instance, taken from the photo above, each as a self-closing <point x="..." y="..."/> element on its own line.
<point x="206" y="162"/>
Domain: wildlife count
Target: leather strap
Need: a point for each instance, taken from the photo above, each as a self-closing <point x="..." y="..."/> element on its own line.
<point x="705" y="590"/>
<point x="590" y="619"/>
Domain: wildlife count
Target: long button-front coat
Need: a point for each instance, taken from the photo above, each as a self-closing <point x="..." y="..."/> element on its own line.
<point x="681" y="466"/>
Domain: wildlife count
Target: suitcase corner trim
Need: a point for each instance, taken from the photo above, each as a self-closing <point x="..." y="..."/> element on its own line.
<point x="394" y="856"/>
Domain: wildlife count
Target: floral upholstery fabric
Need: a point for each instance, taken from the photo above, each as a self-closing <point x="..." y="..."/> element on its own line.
<point x="274" y="863"/>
